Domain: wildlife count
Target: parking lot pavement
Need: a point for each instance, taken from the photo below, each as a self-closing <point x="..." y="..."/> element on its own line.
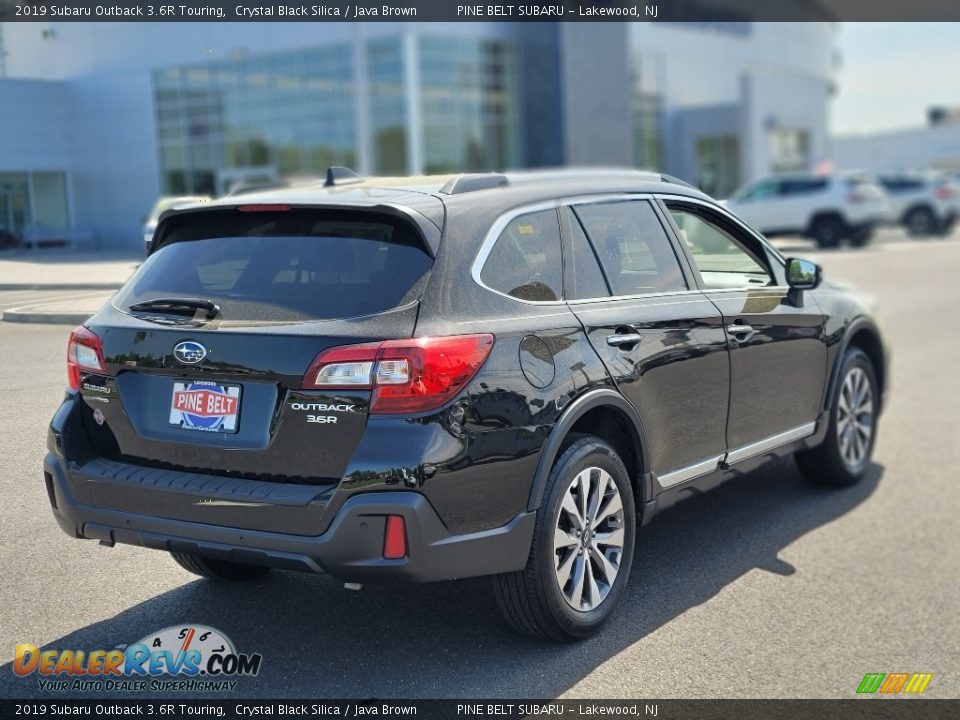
<point x="57" y="286"/>
<point x="57" y="307"/>
<point x="65" y="270"/>
<point x="765" y="587"/>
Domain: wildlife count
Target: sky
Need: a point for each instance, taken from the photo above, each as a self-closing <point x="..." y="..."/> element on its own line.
<point x="890" y="73"/>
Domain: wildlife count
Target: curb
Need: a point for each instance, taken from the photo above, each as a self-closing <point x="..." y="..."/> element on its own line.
<point x="42" y="318"/>
<point x="61" y="286"/>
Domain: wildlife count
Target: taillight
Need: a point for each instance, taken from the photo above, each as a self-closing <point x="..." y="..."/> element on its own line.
<point x="84" y="355"/>
<point x="944" y="192"/>
<point x="406" y="376"/>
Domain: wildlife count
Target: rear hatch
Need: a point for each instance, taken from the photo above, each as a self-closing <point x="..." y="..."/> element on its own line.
<point x="207" y="347"/>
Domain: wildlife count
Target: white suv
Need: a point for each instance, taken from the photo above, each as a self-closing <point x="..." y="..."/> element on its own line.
<point x="826" y="208"/>
<point x="925" y="204"/>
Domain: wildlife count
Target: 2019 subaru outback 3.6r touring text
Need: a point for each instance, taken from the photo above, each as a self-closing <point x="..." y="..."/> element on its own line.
<point x="435" y="378"/>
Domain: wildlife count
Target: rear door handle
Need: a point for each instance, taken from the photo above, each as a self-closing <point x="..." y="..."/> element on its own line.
<point x="625" y="337"/>
<point x="741" y="333"/>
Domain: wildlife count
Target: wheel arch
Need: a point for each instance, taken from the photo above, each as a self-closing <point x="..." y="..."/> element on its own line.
<point x="863" y="334"/>
<point x="822" y="214"/>
<point x="918" y="205"/>
<point x="605" y="413"/>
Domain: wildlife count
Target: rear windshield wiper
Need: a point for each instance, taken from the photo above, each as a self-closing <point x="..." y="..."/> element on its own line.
<point x="177" y="306"/>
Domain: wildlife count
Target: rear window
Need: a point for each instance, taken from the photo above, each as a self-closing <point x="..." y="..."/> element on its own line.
<point x="284" y="266"/>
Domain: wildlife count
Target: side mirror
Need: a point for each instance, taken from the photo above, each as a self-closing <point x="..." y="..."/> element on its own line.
<point x="803" y="274"/>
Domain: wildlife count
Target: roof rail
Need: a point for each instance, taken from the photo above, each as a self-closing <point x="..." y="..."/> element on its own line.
<point x="677" y="181"/>
<point x="337" y="175"/>
<point x="476" y="181"/>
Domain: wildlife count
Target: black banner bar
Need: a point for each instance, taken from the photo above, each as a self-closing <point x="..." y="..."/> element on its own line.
<point x="860" y="709"/>
<point x="477" y="10"/>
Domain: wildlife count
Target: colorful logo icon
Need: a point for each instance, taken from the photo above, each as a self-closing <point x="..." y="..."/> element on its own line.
<point x="893" y="683"/>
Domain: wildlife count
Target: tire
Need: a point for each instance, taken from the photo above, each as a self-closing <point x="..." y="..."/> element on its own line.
<point x="840" y="462"/>
<point x="920" y="222"/>
<point x="861" y="238"/>
<point x="828" y="231"/>
<point x="946" y="227"/>
<point x="533" y="600"/>
<point x="218" y="569"/>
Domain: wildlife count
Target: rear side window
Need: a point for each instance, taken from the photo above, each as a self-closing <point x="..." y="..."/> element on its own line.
<point x="583" y="271"/>
<point x="762" y="190"/>
<point x="899" y="185"/>
<point x="284" y="266"/>
<point x="802" y="186"/>
<point x="525" y="260"/>
<point x="633" y="247"/>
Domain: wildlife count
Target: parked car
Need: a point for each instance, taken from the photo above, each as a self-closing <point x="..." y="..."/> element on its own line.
<point x="825" y="208"/>
<point x="502" y="375"/>
<point x="161" y="206"/>
<point x="924" y="203"/>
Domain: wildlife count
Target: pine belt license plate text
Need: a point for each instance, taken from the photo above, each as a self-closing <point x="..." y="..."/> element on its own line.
<point x="207" y="406"/>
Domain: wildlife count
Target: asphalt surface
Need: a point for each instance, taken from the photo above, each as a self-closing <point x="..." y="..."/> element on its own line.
<point x="59" y="307"/>
<point x="766" y="587"/>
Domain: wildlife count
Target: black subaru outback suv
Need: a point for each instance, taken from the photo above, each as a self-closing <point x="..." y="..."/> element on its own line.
<point x="434" y="378"/>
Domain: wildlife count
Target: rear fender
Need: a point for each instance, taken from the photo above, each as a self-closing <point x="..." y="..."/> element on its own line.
<point x="604" y="396"/>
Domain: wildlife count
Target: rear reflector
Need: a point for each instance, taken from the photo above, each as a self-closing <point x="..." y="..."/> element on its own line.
<point x="406" y="376"/>
<point x="395" y="538"/>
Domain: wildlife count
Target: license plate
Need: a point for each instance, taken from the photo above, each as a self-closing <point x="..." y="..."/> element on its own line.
<point x="206" y="406"/>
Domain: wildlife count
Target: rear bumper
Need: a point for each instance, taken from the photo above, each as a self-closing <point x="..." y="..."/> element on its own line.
<point x="351" y="548"/>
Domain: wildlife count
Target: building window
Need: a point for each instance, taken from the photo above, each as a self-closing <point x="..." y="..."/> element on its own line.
<point x="646" y="111"/>
<point x="469" y="105"/>
<point x="14" y="203"/>
<point x="718" y="164"/>
<point x="237" y="121"/>
<point x="33" y="203"/>
<point x="646" y="132"/>
<point x="387" y="105"/>
<point x="789" y="150"/>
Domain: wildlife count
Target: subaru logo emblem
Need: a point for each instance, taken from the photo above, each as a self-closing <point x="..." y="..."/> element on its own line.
<point x="189" y="352"/>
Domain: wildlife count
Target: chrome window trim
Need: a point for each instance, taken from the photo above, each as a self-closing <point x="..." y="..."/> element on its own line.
<point x="493" y="234"/>
<point x="759" y="447"/>
<point x="772" y="289"/>
<point x="500" y="224"/>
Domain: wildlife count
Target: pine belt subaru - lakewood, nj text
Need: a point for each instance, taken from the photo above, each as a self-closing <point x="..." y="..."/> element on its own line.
<point x="440" y="377"/>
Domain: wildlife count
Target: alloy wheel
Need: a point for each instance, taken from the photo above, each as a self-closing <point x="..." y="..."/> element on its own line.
<point x="855" y="417"/>
<point x="588" y="539"/>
